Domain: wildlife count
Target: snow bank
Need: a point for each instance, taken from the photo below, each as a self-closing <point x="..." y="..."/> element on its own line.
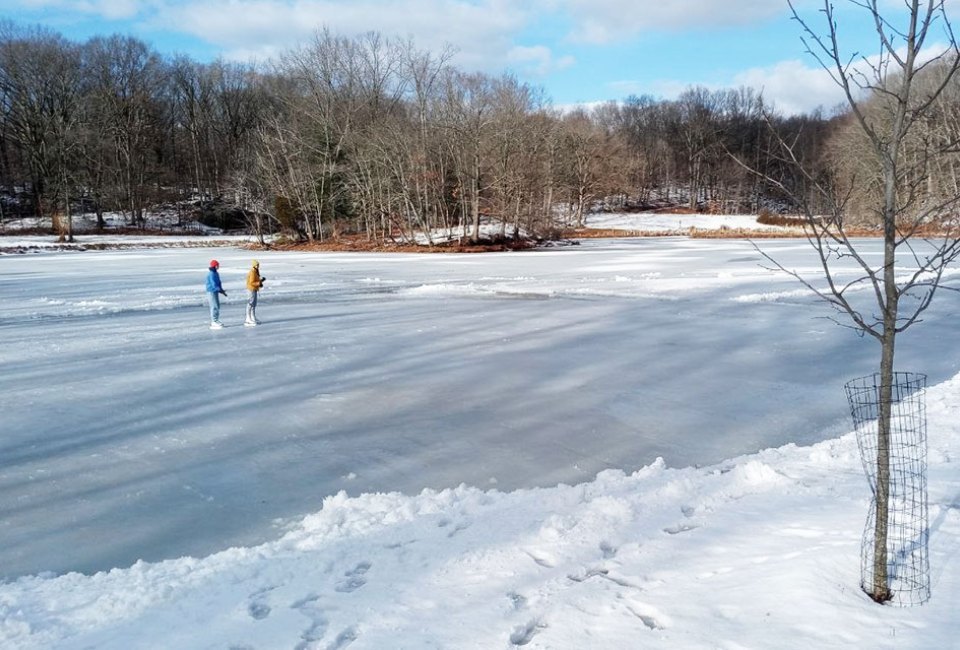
<point x="761" y="551"/>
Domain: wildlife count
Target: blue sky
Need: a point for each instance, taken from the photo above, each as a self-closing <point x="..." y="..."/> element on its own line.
<point x="580" y="51"/>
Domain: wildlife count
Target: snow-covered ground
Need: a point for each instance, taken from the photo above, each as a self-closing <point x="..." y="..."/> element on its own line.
<point x="424" y="408"/>
<point x="162" y="218"/>
<point x="676" y="223"/>
<point x="34" y="243"/>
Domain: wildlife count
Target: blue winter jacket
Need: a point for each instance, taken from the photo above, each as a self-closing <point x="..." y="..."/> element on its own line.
<point x="213" y="282"/>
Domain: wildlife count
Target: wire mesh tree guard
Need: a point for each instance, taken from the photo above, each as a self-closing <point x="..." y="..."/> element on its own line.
<point x="906" y="550"/>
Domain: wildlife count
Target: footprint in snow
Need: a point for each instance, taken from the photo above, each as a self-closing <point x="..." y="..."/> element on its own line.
<point x="354" y="578"/>
<point x="649" y="615"/>
<point x="679" y="528"/>
<point x="649" y="621"/>
<point x="312" y="634"/>
<point x="608" y="550"/>
<point x="585" y="574"/>
<point x="258" y="610"/>
<point x="517" y="600"/>
<point x="523" y="634"/>
<point x="393" y="546"/>
<point x="463" y="525"/>
<point x="360" y="569"/>
<point x="309" y="607"/>
<point x="309" y="599"/>
<point x="345" y="638"/>
<point x="541" y="561"/>
<point x="446" y="521"/>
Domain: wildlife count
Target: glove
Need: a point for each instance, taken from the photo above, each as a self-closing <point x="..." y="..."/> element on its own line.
<point x="223" y="292"/>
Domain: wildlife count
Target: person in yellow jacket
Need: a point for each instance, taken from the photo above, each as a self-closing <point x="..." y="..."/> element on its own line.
<point x="254" y="283"/>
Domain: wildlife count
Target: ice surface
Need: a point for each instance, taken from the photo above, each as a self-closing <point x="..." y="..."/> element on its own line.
<point x="131" y="431"/>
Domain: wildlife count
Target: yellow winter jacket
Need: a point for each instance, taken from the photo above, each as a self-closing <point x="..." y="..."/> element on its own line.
<point x="253" y="279"/>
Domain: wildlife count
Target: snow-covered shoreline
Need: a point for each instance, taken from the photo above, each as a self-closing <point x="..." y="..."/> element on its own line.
<point x="760" y="551"/>
<point x="678" y="224"/>
<point x="10" y="244"/>
<point x="666" y="224"/>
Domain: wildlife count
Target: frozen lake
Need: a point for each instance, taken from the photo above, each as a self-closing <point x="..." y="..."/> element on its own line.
<point x="130" y="431"/>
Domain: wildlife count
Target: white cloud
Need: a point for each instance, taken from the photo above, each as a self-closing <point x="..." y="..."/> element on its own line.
<point x="793" y="86"/>
<point x="481" y="30"/>
<point x="108" y="9"/>
<point x="45" y="4"/>
<point x="483" y="33"/>
<point x="796" y="87"/>
<point x="537" y="60"/>
<point x="603" y="21"/>
<point x="625" y="87"/>
<point x="117" y="9"/>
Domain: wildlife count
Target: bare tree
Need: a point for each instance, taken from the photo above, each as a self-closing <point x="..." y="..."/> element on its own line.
<point x="285" y="165"/>
<point x="39" y="89"/>
<point x="891" y="97"/>
<point x="469" y="118"/>
<point x="425" y="73"/>
<point x="511" y="139"/>
<point x="593" y="162"/>
<point x="128" y="78"/>
<point x="696" y="138"/>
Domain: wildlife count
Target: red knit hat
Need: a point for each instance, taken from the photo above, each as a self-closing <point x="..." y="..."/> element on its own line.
<point x="214" y="264"/>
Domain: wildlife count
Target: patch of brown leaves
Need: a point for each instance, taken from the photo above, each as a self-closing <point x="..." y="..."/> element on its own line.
<point x="359" y="243"/>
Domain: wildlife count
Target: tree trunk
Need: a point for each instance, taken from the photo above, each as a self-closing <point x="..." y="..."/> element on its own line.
<point x="881" y="581"/>
<point x="66" y="206"/>
<point x="475" y="198"/>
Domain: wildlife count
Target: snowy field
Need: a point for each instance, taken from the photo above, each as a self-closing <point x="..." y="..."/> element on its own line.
<point x="651" y="222"/>
<point x="158" y="478"/>
<point x="45" y="243"/>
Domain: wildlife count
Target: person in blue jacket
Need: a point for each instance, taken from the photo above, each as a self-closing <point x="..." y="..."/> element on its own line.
<point x="214" y="289"/>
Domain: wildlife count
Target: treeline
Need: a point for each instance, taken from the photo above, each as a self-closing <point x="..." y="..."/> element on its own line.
<point x="363" y="135"/>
